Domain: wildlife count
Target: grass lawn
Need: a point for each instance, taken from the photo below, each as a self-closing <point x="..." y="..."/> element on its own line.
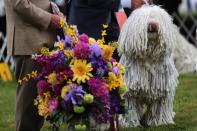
<point x="185" y="107"/>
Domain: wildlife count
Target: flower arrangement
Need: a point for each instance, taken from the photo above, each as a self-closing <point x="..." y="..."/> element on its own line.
<point x="79" y="80"/>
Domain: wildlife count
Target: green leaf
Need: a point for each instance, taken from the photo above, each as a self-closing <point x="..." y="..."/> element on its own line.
<point x="55" y="127"/>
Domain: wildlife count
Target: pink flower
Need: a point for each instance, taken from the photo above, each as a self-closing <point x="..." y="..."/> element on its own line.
<point x="97" y="87"/>
<point x="53" y="104"/>
<point x="115" y="70"/>
<point x="83" y="38"/>
<point x="112" y="60"/>
<point x="42" y="86"/>
<point x="82" y="50"/>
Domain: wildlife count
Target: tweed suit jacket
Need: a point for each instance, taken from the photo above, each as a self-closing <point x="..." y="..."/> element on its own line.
<point x="28" y="26"/>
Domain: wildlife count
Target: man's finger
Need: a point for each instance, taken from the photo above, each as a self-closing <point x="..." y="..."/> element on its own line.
<point x="55" y="21"/>
<point x="60" y="14"/>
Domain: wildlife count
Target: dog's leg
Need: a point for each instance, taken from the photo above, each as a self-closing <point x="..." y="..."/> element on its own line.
<point x="132" y="117"/>
<point x="160" y="113"/>
<point x="150" y="117"/>
<point x="166" y="111"/>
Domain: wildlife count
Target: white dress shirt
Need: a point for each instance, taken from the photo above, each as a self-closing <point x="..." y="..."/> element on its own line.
<point x="126" y="3"/>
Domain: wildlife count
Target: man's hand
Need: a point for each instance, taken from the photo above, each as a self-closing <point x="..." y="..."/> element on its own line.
<point x="56" y="10"/>
<point x="55" y="21"/>
<point x="60" y="14"/>
<point x="137" y="3"/>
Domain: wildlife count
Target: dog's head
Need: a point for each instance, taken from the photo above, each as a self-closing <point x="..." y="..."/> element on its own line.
<point x="148" y="31"/>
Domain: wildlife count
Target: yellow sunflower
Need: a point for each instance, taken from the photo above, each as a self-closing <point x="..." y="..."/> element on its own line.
<point x="113" y="81"/>
<point x="43" y="109"/>
<point x="91" y="40"/>
<point x="51" y="78"/>
<point x="104" y="33"/>
<point x="62" y="22"/>
<point x="81" y="70"/>
<point x="68" y="53"/>
<point x="100" y="41"/>
<point x="108" y="51"/>
<point x="105" y="26"/>
<point x="60" y="45"/>
<point x="69" y="30"/>
<point x="42" y="103"/>
<point x="44" y="50"/>
<point x="34" y="74"/>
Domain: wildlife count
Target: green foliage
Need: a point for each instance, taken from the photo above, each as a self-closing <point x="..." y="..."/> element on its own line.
<point x="7" y="106"/>
<point x="185" y="107"/>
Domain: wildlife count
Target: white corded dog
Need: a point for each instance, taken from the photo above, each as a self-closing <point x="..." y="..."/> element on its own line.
<point x="146" y="43"/>
<point x="185" y="55"/>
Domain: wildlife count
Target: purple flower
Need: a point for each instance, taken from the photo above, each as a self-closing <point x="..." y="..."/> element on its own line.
<point x="40" y="76"/>
<point x="100" y="67"/>
<point x="82" y="50"/>
<point x="100" y="72"/>
<point x="115" y="70"/>
<point x="61" y="76"/>
<point x="59" y="68"/>
<point x="112" y="60"/>
<point x="63" y="73"/>
<point x="103" y="109"/>
<point x="69" y="73"/>
<point x="83" y="38"/>
<point x="61" y="40"/>
<point x="75" y="95"/>
<point x="115" y="103"/>
<point x="68" y="39"/>
<point x="97" y="87"/>
<point x="59" y="58"/>
<point x="47" y="62"/>
<point x="96" y="50"/>
<point x="100" y="115"/>
<point x="56" y="89"/>
<point x="53" y="104"/>
<point x="102" y="106"/>
<point x="42" y="86"/>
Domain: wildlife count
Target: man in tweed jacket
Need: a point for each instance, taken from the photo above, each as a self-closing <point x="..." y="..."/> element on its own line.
<point x="30" y="26"/>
